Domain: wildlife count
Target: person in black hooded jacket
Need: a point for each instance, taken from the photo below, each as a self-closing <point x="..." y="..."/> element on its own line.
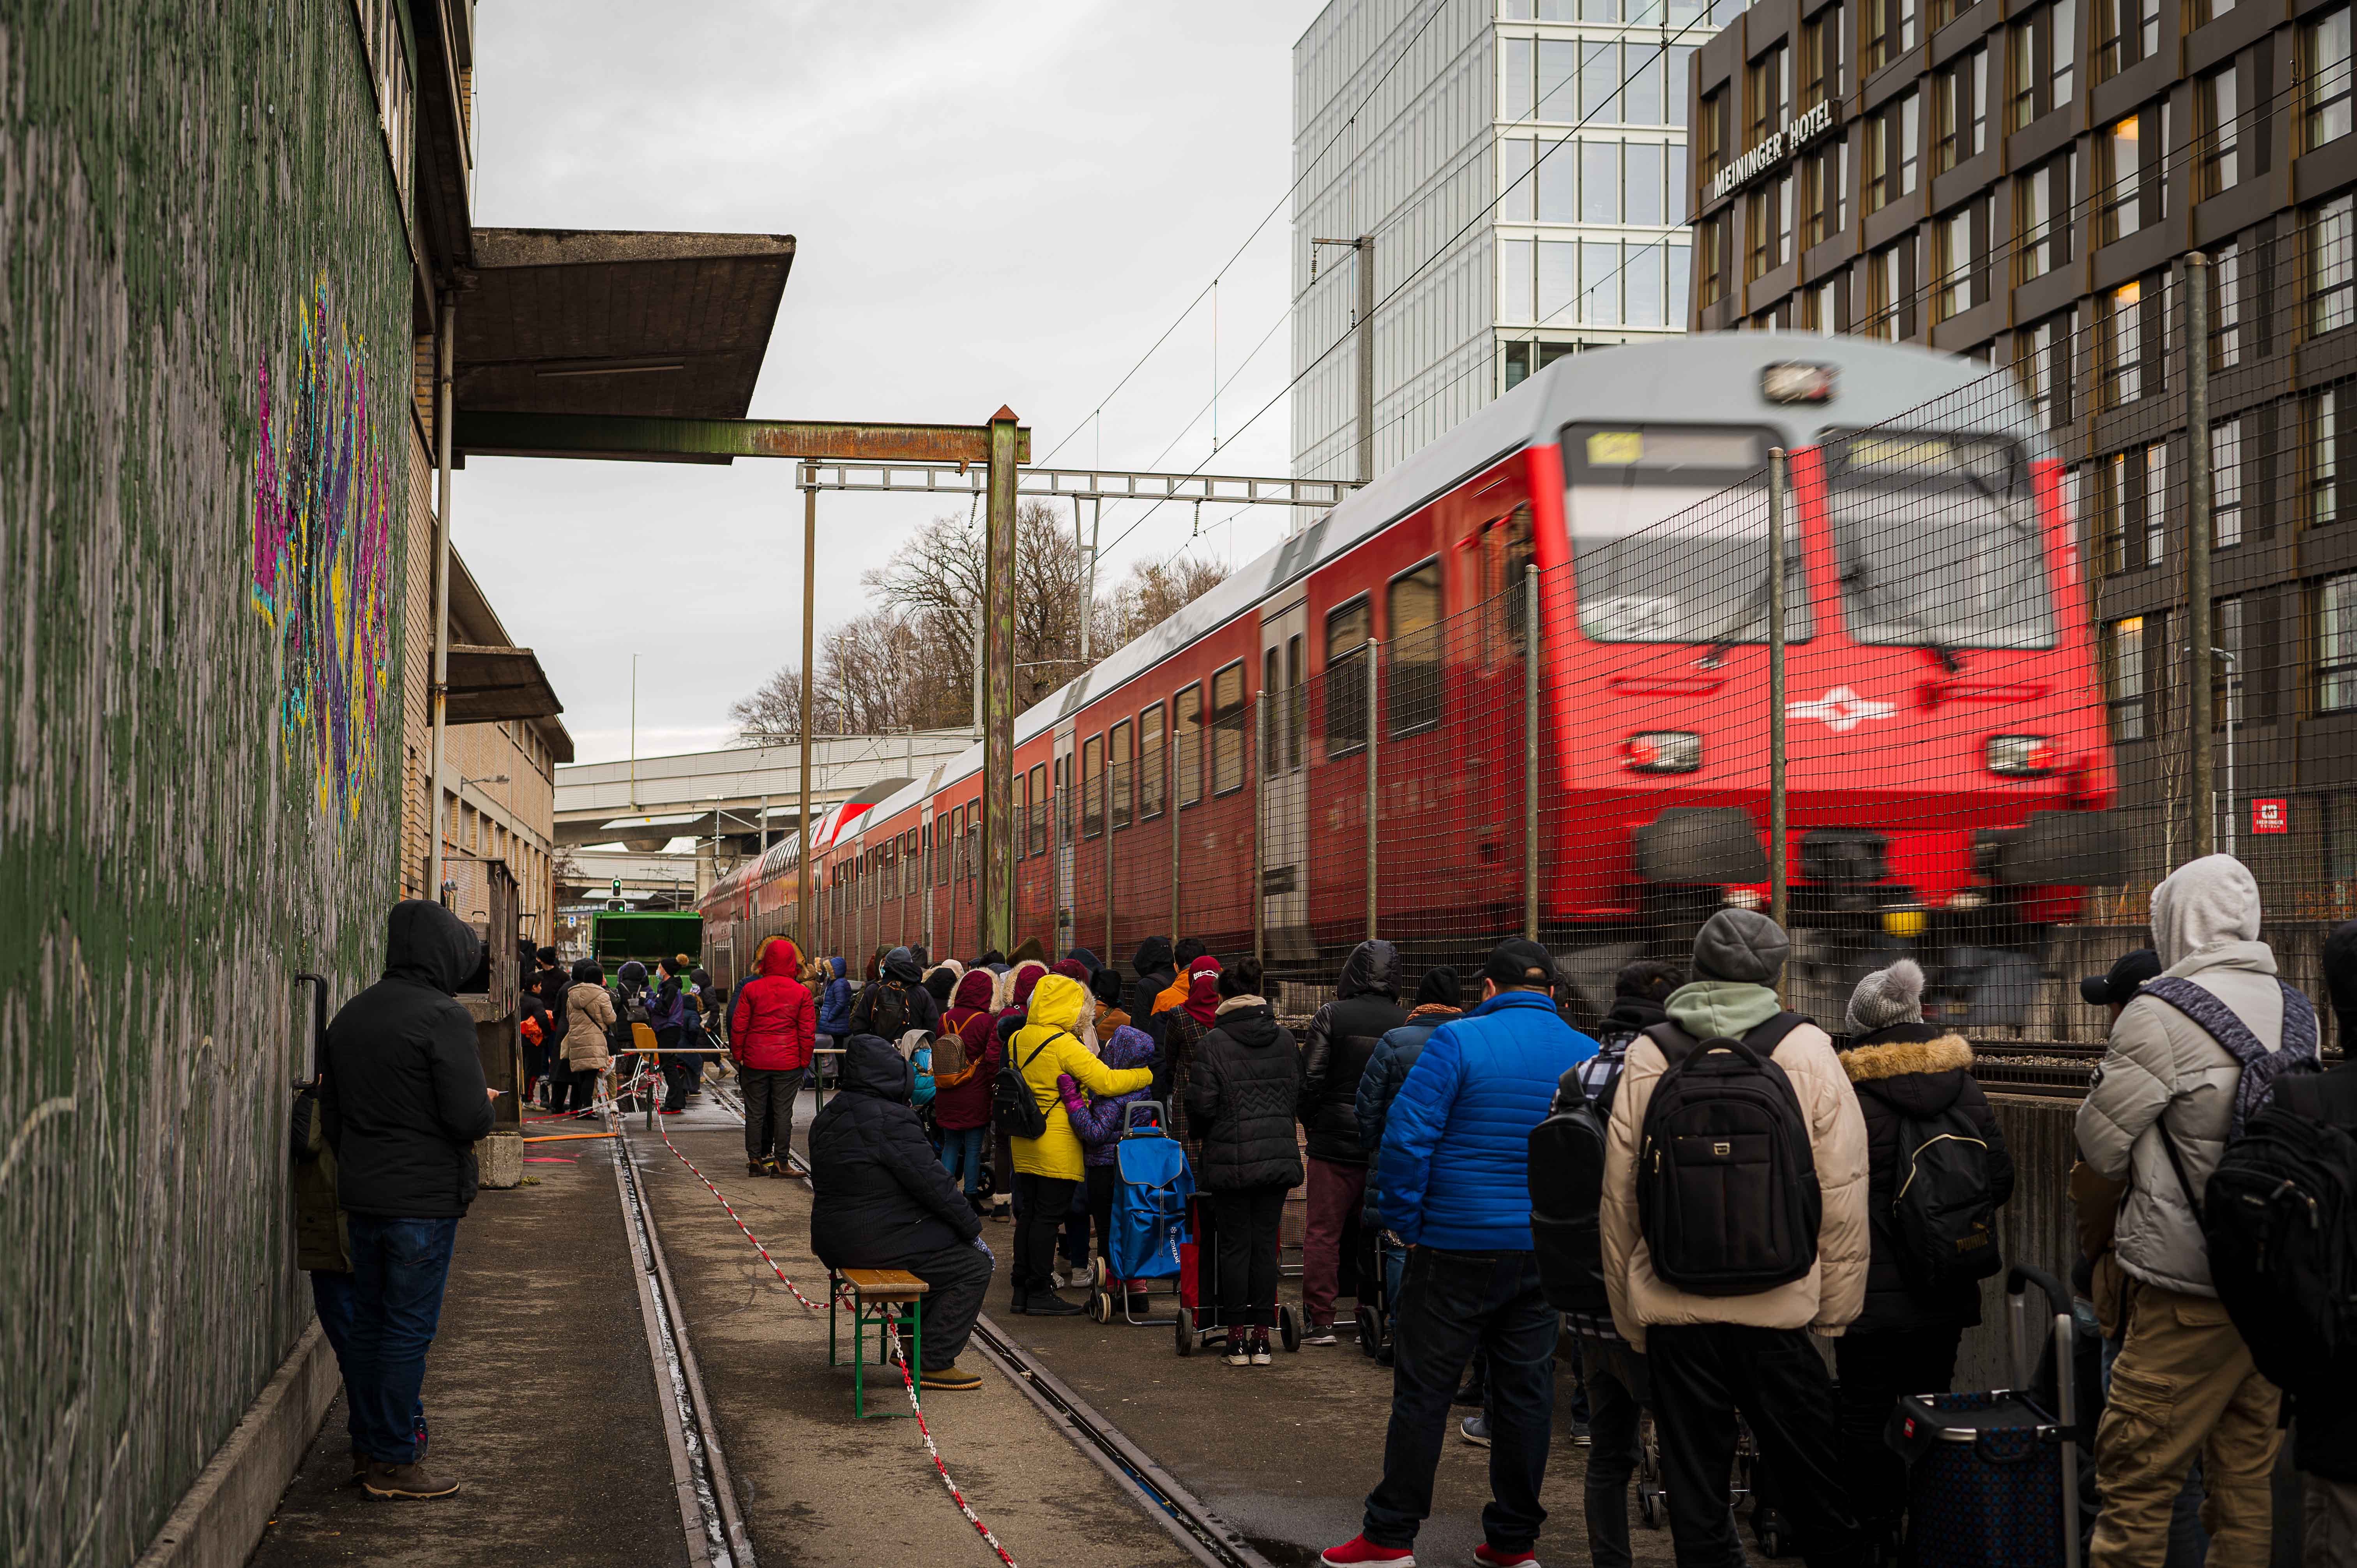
<point x="402" y="1105"/>
<point x="1341" y="1038"/>
<point x="906" y="983"/>
<point x="2324" y="1413"/>
<point x="884" y="1201"/>
<point x="1155" y="973"/>
<point x="1240" y="1103"/>
<point x="1903" y="1342"/>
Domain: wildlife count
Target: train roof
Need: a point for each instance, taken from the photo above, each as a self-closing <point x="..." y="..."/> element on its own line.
<point x="1705" y="379"/>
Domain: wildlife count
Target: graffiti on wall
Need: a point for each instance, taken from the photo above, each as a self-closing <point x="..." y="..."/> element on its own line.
<point x="322" y="543"/>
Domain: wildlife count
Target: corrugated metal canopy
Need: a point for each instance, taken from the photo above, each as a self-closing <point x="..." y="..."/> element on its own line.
<point x="617" y="321"/>
<point x="488" y="684"/>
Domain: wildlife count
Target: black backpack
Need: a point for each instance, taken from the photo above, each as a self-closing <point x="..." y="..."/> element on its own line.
<point x="1726" y="1181"/>
<point x="1943" y="1204"/>
<point x="887" y="1011"/>
<point x="1566" y="1175"/>
<point x="2280" y="1220"/>
<point x="1014" y="1109"/>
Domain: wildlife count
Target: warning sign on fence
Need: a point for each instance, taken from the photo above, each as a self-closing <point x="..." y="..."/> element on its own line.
<point x="2270" y="817"/>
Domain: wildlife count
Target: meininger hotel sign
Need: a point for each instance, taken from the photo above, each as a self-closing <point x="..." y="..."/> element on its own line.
<point x="1804" y="127"/>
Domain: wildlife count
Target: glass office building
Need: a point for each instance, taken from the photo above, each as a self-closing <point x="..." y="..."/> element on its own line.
<point x="1520" y="166"/>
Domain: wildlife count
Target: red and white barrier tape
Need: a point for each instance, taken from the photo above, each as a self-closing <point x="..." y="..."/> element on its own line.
<point x="908" y="1380"/>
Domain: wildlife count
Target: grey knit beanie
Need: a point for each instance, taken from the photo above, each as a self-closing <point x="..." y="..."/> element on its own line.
<point x="1888" y="996"/>
<point x="1740" y="945"/>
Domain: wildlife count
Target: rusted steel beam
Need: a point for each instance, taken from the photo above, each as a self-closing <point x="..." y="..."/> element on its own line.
<point x="488" y="432"/>
<point x="1007" y="448"/>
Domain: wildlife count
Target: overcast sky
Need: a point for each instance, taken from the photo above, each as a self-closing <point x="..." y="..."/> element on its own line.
<point x="994" y="202"/>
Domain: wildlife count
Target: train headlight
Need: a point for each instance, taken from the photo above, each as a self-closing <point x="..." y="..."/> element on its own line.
<point x="2022" y="755"/>
<point x="1661" y="751"/>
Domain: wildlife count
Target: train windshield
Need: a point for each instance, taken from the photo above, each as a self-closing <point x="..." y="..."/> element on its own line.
<point x="1939" y="541"/>
<point x="1669" y="534"/>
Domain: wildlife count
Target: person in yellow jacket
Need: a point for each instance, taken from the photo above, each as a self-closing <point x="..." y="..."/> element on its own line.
<point x="1047" y="1169"/>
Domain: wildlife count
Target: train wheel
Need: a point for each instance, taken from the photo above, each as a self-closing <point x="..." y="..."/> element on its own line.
<point x="1288" y="1326"/>
<point x="1186" y="1327"/>
<point x="1371" y="1333"/>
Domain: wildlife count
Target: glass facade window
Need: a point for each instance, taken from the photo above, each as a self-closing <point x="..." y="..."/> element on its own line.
<point x="1893" y="151"/>
<point x="1557" y="98"/>
<point x="2325" y="53"/>
<point x="2041" y="219"/>
<point x="2122" y="178"/>
<point x="1643" y="182"/>
<point x="1960" y="110"/>
<point x="2124" y="677"/>
<point x="2132" y="496"/>
<point x="2336" y="642"/>
<point x="1559" y="279"/>
<point x="2221" y="131"/>
<point x="2043" y="354"/>
<point x="2226" y="307"/>
<point x="2123" y="344"/>
<point x="2126" y="33"/>
<point x="2331" y="265"/>
<point x="1599" y="182"/>
<point x="1599" y="291"/>
<point x="1515" y="300"/>
<point x="1822" y="59"/>
<point x="1558" y="182"/>
<point x="1960" y="240"/>
<point x="2323" y="420"/>
<point x="2226" y="482"/>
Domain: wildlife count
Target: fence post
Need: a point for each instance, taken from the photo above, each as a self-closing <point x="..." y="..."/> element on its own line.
<point x="1111" y="792"/>
<point x="1779" y="873"/>
<point x="2203" y="808"/>
<point x="1375" y="762"/>
<point x="1170" y="808"/>
<point x="1259" y="851"/>
<point x="1530" y="753"/>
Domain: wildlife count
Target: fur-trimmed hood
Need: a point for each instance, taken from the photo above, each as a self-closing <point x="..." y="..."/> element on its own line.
<point x="1918" y="1069"/>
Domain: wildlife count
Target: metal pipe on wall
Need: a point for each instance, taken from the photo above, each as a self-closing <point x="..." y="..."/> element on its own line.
<point x="445" y="417"/>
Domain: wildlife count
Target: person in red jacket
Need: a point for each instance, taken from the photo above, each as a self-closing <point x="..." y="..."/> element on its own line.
<point x="770" y="1031"/>
<point x="961" y="1098"/>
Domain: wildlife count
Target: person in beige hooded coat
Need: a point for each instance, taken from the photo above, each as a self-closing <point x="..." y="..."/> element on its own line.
<point x="1709" y="1356"/>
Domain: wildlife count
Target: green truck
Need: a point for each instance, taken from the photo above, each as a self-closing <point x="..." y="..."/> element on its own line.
<point x="619" y="936"/>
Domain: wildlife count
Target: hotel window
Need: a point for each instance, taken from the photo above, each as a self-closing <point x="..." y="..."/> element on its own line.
<point x="1884" y="293"/>
<point x="2325" y="55"/>
<point x="2226" y="482"/>
<point x="1187" y="751"/>
<point x="1711" y="135"/>
<point x="1821" y="58"/>
<point x="1231" y="721"/>
<point x="1889" y="31"/>
<point x="2043" y="354"/>
<point x="2327" y="501"/>
<point x="2124" y="676"/>
<point x="1123" y="775"/>
<point x="2225" y="674"/>
<point x="1152" y="760"/>
<point x="1960" y="241"/>
<point x="1600" y="82"/>
<point x="2221" y="131"/>
<point x="2211" y="10"/>
<point x="2336" y="642"/>
<point x="2127" y="32"/>
<point x="1093" y="814"/>
<point x="1819" y="310"/>
<point x="1557" y="98"/>
<point x="1599" y="182"/>
<point x="1893" y="146"/>
<point x="1768" y="94"/>
<point x="2041" y="218"/>
<point x="1413" y="614"/>
<point x="2331" y="265"/>
<point x="2043" y="48"/>
<point x="1960" y="110"/>
<point x="2132" y="501"/>
<point x="2226" y="307"/>
<point x="1711" y="265"/>
<point x="2133" y="339"/>
<point x="1556" y="180"/>
<point x="2120" y="172"/>
<point x="1347" y="631"/>
<point x="1768" y="218"/>
<point x="1825" y="192"/>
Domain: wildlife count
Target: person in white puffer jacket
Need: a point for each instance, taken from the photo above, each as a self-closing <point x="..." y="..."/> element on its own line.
<point x="2184" y="1384"/>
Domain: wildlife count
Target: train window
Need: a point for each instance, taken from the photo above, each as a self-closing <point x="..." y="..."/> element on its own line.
<point x="1187" y="749"/>
<point x="1296" y="702"/>
<point x="1118" y="772"/>
<point x="1348" y="630"/>
<point x="1037" y="835"/>
<point x="1150" y="762"/>
<point x="1230" y="715"/>
<point x="1669" y="534"/>
<point x="1272" y="755"/>
<point x="1939" y="541"/>
<point x="1093" y="786"/>
<point x="1022" y="813"/>
<point x="1412" y="614"/>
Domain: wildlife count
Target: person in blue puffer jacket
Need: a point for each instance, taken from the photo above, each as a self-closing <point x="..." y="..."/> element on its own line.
<point x="1453" y="1170"/>
<point x="834" y="1013"/>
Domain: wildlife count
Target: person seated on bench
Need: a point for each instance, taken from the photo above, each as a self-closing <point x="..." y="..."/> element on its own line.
<point x="884" y="1201"/>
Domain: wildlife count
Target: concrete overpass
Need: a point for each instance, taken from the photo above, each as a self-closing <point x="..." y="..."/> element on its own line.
<point x="730" y="796"/>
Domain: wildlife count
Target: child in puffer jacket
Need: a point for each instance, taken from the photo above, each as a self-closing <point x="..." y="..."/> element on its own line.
<point x="1098" y="1124"/>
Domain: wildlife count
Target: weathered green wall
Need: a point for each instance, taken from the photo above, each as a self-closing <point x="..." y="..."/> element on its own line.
<point x="203" y="335"/>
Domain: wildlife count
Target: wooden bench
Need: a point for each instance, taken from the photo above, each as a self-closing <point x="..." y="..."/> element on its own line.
<point x="891" y="1299"/>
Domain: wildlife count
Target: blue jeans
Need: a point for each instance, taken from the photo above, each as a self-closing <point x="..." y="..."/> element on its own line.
<point x="399" y="1268"/>
<point x="1451" y="1304"/>
<point x="331" y="1298"/>
<point x="962" y="1154"/>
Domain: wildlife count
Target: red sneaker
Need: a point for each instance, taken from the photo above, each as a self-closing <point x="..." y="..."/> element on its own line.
<point x="1488" y="1556"/>
<point x="670" y="1112"/>
<point x="1359" y="1548"/>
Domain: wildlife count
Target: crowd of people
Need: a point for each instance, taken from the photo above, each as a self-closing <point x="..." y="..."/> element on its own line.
<point x="1755" y="1190"/>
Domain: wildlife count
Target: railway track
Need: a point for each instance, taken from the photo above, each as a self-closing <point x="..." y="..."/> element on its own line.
<point x="1194" y="1526"/>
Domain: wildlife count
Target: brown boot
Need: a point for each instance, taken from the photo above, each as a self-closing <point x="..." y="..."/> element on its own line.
<point x="406" y="1482"/>
<point x="359" y="1468"/>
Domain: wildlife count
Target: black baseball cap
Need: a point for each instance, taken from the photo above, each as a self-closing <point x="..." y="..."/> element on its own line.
<point x="1516" y="962"/>
<point x="2122" y="980"/>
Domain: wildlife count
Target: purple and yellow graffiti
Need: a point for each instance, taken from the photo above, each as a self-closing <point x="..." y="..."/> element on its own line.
<point x="322" y="540"/>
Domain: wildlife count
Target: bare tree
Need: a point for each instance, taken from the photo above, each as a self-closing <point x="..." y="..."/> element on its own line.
<point x="908" y="663"/>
